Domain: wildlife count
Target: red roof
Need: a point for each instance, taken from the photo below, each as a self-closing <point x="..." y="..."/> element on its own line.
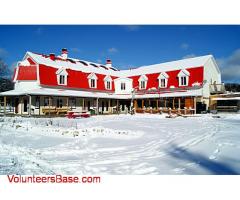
<point x="76" y="79"/>
<point x="27" y="73"/>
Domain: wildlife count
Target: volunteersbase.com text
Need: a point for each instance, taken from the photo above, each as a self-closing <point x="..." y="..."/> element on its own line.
<point x="53" y="179"/>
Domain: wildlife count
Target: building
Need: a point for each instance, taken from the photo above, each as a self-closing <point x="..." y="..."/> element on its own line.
<point x="50" y="84"/>
<point x="227" y="102"/>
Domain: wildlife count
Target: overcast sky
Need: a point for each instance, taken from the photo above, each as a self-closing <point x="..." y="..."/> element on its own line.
<point x="127" y="46"/>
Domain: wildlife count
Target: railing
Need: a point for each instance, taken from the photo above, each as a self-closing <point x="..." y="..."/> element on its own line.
<point x="217" y="88"/>
<point x="9" y="108"/>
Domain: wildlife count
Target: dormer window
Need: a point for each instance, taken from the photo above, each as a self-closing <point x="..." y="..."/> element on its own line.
<point x="108" y="85"/>
<point x="163" y="80"/>
<point x="143" y="82"/>
<point x="123" y="86"/>
<point x="163" y="83"/>
<point x="183" y="77"/>
<point x="62" y="76"/>
<point x="183" y="81"/>
<point x="92" y="80"/>
<point x="93" y="83"/>
<point x="62" y="80"/>
<point x="108" y="82"/>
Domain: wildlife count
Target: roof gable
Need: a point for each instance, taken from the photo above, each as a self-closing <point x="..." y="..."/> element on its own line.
<point x="163" y="75"/>
<point x="62" y="71"/>
<point x="183" y="72"/>
<point x="143" y="78"/>
<point x="92" y="76"/>
<point x="107" y="78"/>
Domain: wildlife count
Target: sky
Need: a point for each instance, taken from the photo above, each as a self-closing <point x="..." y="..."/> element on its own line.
<point x="126" y="45"/>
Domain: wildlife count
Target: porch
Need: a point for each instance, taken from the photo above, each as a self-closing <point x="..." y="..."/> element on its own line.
<point x="180" y="105"/>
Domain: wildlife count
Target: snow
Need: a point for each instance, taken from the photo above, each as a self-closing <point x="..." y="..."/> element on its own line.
<point x="107" y="95"/>
<point x="156" y="68"/>
<point x="120" y="144"/>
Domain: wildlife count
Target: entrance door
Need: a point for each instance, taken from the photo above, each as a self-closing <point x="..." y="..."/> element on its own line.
<point x="16" y="105"/>
<point x="25" y="105"/>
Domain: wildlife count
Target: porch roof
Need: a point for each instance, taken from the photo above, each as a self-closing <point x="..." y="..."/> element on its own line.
<point x="92" y="94"/>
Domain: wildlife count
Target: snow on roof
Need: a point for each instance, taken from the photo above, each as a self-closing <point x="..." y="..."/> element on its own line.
<point x="89" y="67"/>
<point x="70" y="63"/>
<point x="226" y="98"/>
<point x="167" y="66"/>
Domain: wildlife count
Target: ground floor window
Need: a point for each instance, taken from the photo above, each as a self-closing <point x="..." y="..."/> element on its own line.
<point x="176" y="103"/>
<point x="72" y="103"/>
<point x="37" y="102"/>
<point x="59" y="103"/>
<point x="46" y="101"/>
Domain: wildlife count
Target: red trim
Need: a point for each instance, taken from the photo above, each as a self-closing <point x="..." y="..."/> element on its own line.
<point x="30" y="60"/>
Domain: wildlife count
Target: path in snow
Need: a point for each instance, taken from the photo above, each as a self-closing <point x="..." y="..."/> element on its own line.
<point x="124" y="144"/>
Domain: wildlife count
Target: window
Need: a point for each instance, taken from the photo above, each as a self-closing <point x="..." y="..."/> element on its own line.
<point x="123" y="86"/>
<point x="72" y="103"/>
<point x="59" y="103"/>
<point x="108" y="85"/>
<point x="142" y="84"/>
<point x="92" y="80"/>
<point x="163" y="80"/>
<point x="46" y="101"/>
<point x="93" y="83"/>
<point x="37" y="102"/>
<point x="108" y="82"/>
<point x="62" y="80"/>
<point x="163" y="83"/>
<point x="183" y="77"/>
<point x="62" y="76"/>
<point x="142" y="81"/>
<point x="183" y="81"/>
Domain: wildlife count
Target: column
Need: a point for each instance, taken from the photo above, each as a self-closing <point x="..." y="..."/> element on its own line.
<point x="83" y="104"/>
<point x="195" y="105"/>
<point x="67" y="103"/>
<point x="173" y="103"/>
<point x="39" y="105"/>
<point x="109" y="105"/>
<point x="165" y="103"/>
<point x="117" y="106"/>
<point x="4" y="104"/>
<point x="179" y="102"/>
<point x="135" y="105"/>
<point x="142" y="103"/>
<point x="97" y="107"/>
<point x="49" y="104"/>
<point x="157" y="104"/>
<point x="29" y="105"/>
<point x="21" y="101"/>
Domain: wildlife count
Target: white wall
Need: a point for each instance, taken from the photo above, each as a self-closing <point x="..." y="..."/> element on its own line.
<point x="26" y="85"/>
<point x="117" y="84"/>
<point x="211" y="74"/>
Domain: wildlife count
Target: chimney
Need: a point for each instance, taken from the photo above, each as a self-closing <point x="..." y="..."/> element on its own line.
<point x="64" y="53"/>
<point x="52" y="56"/>
<point x="108" y="63"/>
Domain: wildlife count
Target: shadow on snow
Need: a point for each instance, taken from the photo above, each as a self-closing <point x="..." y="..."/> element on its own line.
<point x="214" y="167"/>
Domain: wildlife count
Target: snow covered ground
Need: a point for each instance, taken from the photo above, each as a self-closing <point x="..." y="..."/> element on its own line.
<point x="120" y="144"/>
